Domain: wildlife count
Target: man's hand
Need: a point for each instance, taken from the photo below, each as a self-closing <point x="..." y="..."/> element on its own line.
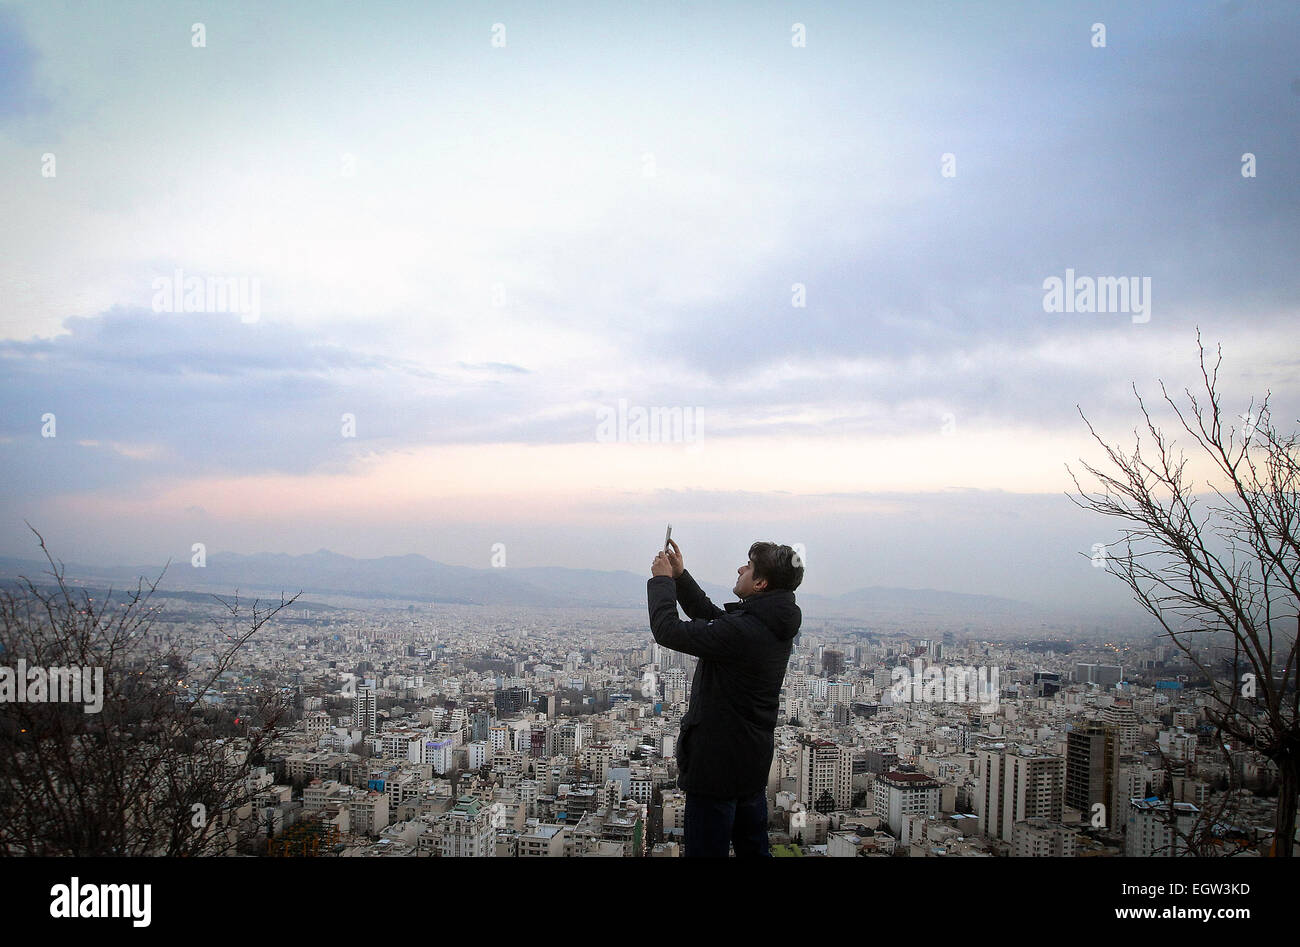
<point x="675" y="559"/>
<point x="661" y="565"/>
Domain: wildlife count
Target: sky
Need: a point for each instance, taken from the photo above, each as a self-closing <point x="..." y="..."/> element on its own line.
<point x="464" y="237"/>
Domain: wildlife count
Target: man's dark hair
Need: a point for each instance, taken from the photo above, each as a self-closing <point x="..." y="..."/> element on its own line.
<point x="782" y="568"/>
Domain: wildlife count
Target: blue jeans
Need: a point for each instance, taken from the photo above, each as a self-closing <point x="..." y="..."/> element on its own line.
<point x="714" y="822"/>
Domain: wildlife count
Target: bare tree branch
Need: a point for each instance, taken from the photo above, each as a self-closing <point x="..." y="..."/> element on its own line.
<point x="1174" y="564"/>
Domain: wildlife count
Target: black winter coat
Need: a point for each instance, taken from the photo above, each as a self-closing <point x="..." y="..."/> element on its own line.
<point x="725" y="747"/>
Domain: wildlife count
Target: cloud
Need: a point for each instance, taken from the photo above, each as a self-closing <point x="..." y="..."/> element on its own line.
<point x="139" y="396"/>
<point x="20" y="96"/>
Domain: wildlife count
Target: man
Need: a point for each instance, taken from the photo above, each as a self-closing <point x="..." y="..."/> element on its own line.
<point x="724" y="751"/>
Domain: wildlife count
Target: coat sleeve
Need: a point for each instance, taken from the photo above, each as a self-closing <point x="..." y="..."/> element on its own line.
<point x="713" y="639"/>
<point x="694" y="602"/>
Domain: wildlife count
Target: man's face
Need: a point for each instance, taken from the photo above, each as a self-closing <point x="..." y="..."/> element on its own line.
<point x="745" y="584"/>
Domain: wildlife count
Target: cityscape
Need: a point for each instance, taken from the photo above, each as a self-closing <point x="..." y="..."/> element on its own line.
<point x="428" y="730"/>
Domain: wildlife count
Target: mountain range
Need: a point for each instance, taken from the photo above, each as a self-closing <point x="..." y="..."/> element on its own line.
<point x="419" y="579"/>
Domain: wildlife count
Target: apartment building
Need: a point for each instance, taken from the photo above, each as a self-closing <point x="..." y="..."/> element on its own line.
<point x="1158" y="829"/>
<point x="542" y="840"/>
<point x="825" y="774"/>
<point x="1040" y="838"/>
<point x="899" y="795"/>
<point x="468" y="831"/>
<point x="1014" y="786"/>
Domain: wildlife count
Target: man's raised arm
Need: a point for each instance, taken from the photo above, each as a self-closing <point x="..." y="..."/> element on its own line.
<point x="715" y="639"/>
<point x="694" y="602"/>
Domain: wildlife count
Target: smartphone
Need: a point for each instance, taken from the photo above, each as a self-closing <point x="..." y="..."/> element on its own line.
<point x="667" y="536"/>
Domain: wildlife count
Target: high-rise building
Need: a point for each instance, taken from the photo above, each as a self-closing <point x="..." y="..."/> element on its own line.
<point x="674" y="813"/>
<point x="365" y="710"/>
<point x="541" y="741"/>
<point x="825" y="777"/>
<point x="899" y="795"/>
<point x="1137" y="780"/>
<point x="480" y="723"/>
<point x="438" y="754"/>
<point x="674" y="681"/>
<point x="569" y="737"/>
<point x="1015" y="786"/>
<point x="1123" y="717"/>
<point x="1092" y="771"/>
<point x="1103" y="675"/>
<point x="512" y="700"/>
<point x="1046" y="683"/>
<point x="839" y="692"/>
<point x="596" y="758"/>
<point x="402" y="745"/>
<point x="477" y="754"/>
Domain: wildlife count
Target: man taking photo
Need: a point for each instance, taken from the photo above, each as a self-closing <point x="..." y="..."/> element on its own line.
<point x="724" y="751"/>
